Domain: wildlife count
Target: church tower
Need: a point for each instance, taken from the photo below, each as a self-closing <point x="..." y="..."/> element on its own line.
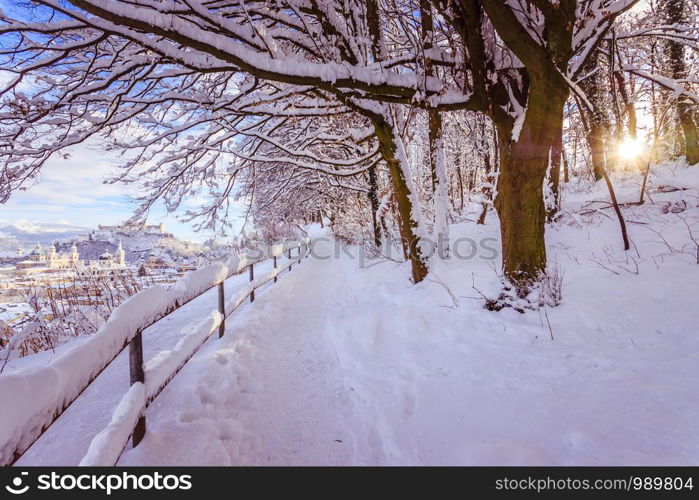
<point x="120" y="255"/>
<point x="52" y="257"/>
<point x="74" y="256"/>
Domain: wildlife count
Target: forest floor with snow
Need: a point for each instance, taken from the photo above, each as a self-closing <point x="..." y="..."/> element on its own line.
<point x="343" y="364"/>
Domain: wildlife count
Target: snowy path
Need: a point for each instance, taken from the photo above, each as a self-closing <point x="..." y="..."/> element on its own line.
<point x="270" y="392"/>
<point x="67" y="440"/>
<point x="337" y="365"/>
<point x="340" y="365"/>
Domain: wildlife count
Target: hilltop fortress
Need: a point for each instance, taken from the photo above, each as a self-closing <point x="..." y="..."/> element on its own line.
<point x="135" y="229"/>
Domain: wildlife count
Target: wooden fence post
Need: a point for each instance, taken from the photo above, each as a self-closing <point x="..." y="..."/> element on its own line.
<point x="221" y="309"/>
<point x="275" y="267"/>
<point x="252" y="277"/>
<point x="289" y="256"/>
<point x="136" y="374"/>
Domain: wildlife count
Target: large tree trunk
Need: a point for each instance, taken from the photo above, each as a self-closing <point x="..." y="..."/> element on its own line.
<point x="520" y="207"/>
<point x="520" y="201"/>
<point x="595" y="139"/>
<point x="407" y="223"/>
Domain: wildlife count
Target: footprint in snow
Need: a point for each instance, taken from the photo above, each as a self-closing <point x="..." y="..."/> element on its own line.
<point x="188" y="416"/>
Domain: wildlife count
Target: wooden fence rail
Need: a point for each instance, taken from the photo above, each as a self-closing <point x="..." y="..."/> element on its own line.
<point x="136" y="344"/>
<point x="13" y="449"/>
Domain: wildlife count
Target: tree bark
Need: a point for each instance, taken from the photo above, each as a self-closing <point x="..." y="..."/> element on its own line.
<point x="607" y="181"/>
<point x="555" y="183"/>
<point x="407" y="223"/>
<point x="520" y="201"/>
<point x="440" y="196"/>
<point x="487" y="190"/>
<point x="598" y="125"/>
<point x="459" y="177"/>
<point x="675" y="14"/>
<point x="374" y="203"/>
<point x="689" y="129"/>
<point x="596" y="141"/>
<point x="520" y="207"/>
<point x="629" y="107"/>
<point x="555" y="169"/>
<point x="566" y="166"/>
<point x="617" y="210"/>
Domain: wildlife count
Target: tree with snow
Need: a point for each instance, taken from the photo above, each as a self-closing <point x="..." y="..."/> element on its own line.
<point x="178" y="87"/>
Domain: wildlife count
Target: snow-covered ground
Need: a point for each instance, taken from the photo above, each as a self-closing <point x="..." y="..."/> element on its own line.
<point x="67" y="440"/>
<point x="338" y="364"/>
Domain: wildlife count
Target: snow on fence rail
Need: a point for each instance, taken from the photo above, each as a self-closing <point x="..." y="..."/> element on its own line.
<point x="54" y="386"/>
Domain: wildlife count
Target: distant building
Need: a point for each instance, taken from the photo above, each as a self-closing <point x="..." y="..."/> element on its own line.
<point x="51" y="259"/>
<point x="120" y="255"/>
<point x="155" y="262"/>
<point x="131" y="229"/>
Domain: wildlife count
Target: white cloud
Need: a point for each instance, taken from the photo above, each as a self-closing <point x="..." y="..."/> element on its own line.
<point x="72" y="191"/>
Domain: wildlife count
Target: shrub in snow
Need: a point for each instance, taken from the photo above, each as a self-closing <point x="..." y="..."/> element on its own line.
<point x="547" y="290"/>
<point x="59" y="312"/>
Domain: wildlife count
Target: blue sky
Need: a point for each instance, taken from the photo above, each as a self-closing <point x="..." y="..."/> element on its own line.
<point x="71" y="191"/>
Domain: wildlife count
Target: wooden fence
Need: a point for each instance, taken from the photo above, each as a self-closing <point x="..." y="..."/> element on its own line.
<point x="108" y="445"/>
<point x="136" y="345"/>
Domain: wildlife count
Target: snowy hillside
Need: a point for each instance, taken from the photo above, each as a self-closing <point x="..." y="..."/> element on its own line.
<point x="91" y="244"/>
<point x="138" y="246"/>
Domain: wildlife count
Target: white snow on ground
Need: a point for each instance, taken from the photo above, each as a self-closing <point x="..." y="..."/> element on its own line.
<point x="341" y="365"/>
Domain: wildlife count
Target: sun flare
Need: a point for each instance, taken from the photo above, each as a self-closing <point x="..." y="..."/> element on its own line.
<point x="630" y="148"/>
